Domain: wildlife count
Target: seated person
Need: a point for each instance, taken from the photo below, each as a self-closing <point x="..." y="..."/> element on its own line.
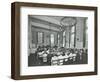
<point x="74" y="56"/>
<point x="40" y="53"/>
<point x="61" y="59"/>
<point x="70" y="55"/>
<point x="81" y="53"/>
<point x="54" y="60"/>
<point x="45" y="57"/>
<point x="59" y="53"/>
<point x="66" y="56"/>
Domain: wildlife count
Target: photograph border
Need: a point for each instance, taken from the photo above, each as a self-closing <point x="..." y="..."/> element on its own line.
<point x="15" y="39"/>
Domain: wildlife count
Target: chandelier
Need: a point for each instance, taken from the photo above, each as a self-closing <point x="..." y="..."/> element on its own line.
<point x="67" y="22"/>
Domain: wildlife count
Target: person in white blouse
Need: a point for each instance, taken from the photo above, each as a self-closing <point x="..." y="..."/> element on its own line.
<point x="54" y="60"/>
<point x="61" y="59"/>
<point x="70" y="55"/>
<point x="45" y="57"/>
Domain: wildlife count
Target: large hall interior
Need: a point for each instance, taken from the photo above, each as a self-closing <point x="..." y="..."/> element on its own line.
<point x="57" y="40"/>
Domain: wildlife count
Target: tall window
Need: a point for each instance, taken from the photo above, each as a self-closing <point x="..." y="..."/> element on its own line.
<point x="64" y="39"/>
<point x="40" y="37"/>
<point x="58" y="39"/>
<point x="72" y="37"/>
<point x="52" y="39"/>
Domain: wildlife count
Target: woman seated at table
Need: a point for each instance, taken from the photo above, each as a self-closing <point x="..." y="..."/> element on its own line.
<point x="59" y="53"/>
<point x="72" y="55"/>
<point x="45" y="57"/>
<point x="66" y="56"/>
<point x="81" y="53"/>
<point x="60" y="59"/>
<point x="45" y="54"/>
<point x="54" y="60"/>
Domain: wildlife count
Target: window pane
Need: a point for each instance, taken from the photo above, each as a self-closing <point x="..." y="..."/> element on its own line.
<point x="58" y="39"/>
<point x="64" y="38"/>
<point x="40" y="37"/>
<point x="72" y="41"/>
<point x="72" y="37"/>
<point x="52" y="39"/>
<point x="73" y="29"/>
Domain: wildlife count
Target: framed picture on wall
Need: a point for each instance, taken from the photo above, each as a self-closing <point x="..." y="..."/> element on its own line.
<point x="51" y="40"/>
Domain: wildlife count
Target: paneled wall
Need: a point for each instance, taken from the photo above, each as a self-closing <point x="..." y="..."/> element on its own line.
<point x="80" y="32"/>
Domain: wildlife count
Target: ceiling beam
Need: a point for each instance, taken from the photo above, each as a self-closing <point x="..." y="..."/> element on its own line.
<point x="47" y="19"/>
<point x="44" y="26"/>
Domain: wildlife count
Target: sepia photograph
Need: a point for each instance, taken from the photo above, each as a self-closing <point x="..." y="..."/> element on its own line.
<point x="57" y="40"/>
